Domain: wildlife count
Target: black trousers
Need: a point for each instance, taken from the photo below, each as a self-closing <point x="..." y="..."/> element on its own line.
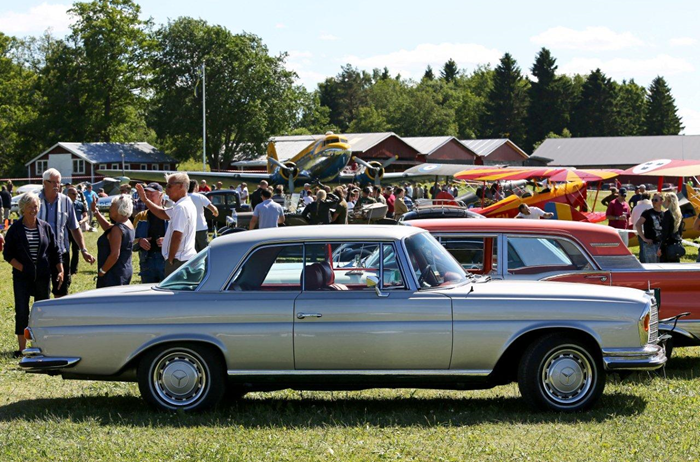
<point x="63" y="290"/>
<point x="24" y="289"/>
<point x="75" y="254"/>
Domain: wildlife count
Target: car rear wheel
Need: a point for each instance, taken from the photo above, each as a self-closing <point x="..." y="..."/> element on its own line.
<point x="186" y="376"/>
<point x="561" y="374"/>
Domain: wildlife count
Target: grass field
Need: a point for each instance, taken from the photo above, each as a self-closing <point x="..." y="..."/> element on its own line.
<point x="644" y="417"/>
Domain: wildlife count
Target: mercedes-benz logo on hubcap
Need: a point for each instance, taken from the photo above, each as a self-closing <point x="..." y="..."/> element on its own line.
<point x="179" y="376"/>
<point x="567" y="375"/>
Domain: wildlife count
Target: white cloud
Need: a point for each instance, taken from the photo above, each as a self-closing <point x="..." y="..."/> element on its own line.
<point x="37" y="20"/>
<point x="682" y="42"/>
<point x="690" y="120"/>
<point x="412" y="63"/>
<point x="623" y="68"/>
<point x="279" y="25"/>
<point x="301" y="63"/>
<point x="590" y="39"/>
<point x="328" y="37"/>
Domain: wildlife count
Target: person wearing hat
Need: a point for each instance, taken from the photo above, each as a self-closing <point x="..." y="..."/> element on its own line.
<point x="618" y="212"/>
<point x="639" y="190"/>
<point x="149" y="238"/>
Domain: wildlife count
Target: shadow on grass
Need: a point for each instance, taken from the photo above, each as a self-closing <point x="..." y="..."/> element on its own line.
<point x="339" y="410"/>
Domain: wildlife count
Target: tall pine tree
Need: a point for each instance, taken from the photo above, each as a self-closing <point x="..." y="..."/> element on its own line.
<point x="550" y="100"/>
<point x="594" y="113"/>
<point x="449" y="71"/>
<point x="662" y="114"/>
<point x="506" y="107"/>
<point x="630" y="109"/>
<point x="429" y="75"/>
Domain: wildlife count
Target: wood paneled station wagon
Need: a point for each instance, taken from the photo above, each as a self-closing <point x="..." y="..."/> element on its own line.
<point x="355" y="308"/>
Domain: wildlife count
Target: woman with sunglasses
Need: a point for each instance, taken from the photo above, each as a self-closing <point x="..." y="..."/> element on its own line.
<point x="649" y="230"/>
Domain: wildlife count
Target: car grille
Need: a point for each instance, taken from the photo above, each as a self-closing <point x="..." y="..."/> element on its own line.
<point x="654" y="322"/>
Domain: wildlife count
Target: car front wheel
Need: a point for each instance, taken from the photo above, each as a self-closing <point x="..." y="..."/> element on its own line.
<point x="561" y="374"/>
<point x="187" y="376"/>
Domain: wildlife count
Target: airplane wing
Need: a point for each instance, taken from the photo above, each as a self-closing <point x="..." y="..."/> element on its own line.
<point x="211" y="177"/>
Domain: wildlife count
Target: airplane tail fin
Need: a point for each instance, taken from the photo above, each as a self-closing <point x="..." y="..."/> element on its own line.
<point x="271" y="152"/>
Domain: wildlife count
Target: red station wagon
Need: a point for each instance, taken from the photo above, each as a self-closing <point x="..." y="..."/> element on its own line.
<point x="554" y="250"/>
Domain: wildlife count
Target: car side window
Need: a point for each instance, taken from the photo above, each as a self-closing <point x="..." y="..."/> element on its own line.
<point x="392" y="273"/>
<point x="472" y="251"/>
<point x="217" y="199"/>
<point x="538" y="255"/>
<point x="271" y="268"/>
<point x="341" y="266"/>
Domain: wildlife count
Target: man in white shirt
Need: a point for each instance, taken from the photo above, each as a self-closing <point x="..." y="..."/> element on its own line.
<point x="532" y="213"/>
<point x="242" y="190"/>
<point x="201" y="202"/>
<point x="179" y="240"/>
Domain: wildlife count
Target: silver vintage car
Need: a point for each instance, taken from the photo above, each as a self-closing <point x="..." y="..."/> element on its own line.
<point x="343" y="307"/>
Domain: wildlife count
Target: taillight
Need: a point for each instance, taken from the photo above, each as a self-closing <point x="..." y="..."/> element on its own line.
<point x="28" y="334"/>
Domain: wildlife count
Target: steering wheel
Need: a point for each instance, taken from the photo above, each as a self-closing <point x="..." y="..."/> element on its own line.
<point x="427" y="270"/>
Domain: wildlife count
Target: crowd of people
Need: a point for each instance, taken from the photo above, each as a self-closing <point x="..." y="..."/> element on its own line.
<point x="38" y="245"/>
<point x="656" y="218"/>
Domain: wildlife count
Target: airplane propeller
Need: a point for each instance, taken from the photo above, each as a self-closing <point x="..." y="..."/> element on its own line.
<point x="374" y="170"/>
<point x="288" y="170"/>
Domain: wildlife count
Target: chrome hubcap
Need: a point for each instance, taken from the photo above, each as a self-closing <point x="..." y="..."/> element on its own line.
<point x="180" y="378"/>
<point x="567" y="375"/>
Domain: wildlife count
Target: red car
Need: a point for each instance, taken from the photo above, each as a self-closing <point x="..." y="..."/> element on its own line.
<point x="554" y="250"/>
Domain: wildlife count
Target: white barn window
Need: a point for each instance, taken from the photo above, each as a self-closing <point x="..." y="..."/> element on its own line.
<point x="41" y="166"/>
<point x="79" y="166"/>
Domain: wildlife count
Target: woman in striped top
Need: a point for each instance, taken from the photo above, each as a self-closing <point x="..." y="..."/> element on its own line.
<point x="31" y="249"/>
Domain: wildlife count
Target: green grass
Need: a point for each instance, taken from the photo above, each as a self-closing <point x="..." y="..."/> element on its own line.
<point x="644" y="417"/>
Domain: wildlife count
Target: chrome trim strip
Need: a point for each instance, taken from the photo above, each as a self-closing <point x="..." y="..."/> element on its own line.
<point x="364" y="372"/>
<point x="40" y="363"/>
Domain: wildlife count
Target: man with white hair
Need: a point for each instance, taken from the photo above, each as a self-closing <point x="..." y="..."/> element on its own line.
<point x="179" y="240"/>
<point x="57" y="209"/>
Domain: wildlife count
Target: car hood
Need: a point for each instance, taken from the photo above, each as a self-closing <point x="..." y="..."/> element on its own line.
<point x="104" y="294"/>
<point x="541" y="290"/>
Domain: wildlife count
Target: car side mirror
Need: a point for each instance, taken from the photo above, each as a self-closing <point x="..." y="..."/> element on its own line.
<point x="373" y="281"/>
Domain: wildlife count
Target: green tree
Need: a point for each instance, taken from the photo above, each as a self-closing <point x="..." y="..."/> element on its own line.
<point x="429" y="75"/>
<point x="662" y="114"/>
<point x="313" y="117"/>
<point x="594" y="113"/>
<point x="630" y="109"/>
<point x="369" y="120"/>
<point x="550" y="100"/>
<point x="18" y="109"/>
<point x="250" y="95"/>
<point x="111" y="42"/>
<point x="424" y="113"/>
<point x="506" y="107"/>
<point x="345" y="94"/>
<point x="449" y="71"/>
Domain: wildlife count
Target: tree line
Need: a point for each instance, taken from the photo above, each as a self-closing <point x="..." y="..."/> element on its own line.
<point x="116" y="77"/>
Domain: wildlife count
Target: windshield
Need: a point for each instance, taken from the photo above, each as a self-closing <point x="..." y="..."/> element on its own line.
<point x="189" y="275"/>
<point x="432" y="264"/>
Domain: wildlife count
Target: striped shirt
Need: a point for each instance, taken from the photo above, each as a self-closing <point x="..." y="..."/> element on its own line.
<point x="33" y="239"/>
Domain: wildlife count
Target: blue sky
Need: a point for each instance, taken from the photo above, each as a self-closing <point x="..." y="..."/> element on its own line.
<point x="626" y="39"/>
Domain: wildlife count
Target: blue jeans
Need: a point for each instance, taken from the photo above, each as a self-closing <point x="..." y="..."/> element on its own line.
<point x="650" y="253"/>
<point x="642" y="256"/>
<point x="152" y="267"/>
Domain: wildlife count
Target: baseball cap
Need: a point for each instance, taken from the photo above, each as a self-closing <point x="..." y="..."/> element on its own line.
<point x="623" y="191"/>
<point x="154" y="187"/>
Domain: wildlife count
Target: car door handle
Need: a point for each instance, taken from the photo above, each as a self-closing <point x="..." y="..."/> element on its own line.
<point x="308" y="315"/>
<point x="602" y="278"/>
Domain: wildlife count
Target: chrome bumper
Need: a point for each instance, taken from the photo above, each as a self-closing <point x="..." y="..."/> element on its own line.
<point x="34" y="361"/>
<point x="647" y="358"/>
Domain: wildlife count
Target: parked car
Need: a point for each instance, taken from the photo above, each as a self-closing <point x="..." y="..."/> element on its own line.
<point x="21" y="191"/>
<point x="558" y="250"/>
<point x="227" y="200"/>
<point x="369" y="306"/>
<point x="427" y="208"/>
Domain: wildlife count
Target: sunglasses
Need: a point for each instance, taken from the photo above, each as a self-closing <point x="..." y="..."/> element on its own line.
<point x="656" y="199"/>
<point x="169" y="185"/>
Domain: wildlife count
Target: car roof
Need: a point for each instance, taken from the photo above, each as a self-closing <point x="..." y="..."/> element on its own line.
<point x="327" y="232"/>
<point x="598" y="239"/>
